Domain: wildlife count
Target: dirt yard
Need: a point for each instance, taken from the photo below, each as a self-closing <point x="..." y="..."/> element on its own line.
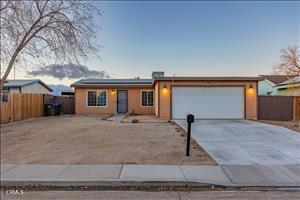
<point x="92" y="140"/>
<point x="287" y="124"/>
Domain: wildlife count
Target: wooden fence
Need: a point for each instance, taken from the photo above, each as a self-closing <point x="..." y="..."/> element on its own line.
<point x="67" y="103"/>
<point x="21" y="106"/>
<point x="297" y="108"/>
<point x="281" y="108"/>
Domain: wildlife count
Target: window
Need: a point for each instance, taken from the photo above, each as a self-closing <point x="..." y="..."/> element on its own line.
<point x="144" y="98"/>
<point x="97" y="98"/>
<point x="4" y="96"/>
<point x="147" y="98"/>
<point x="101" y="98"/>
<point x="150" y="98"/>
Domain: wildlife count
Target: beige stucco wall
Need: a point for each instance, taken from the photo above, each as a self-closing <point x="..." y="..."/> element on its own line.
<point x="133" y="101"/>
<point x="35" y="88"/>
<point x="250" y="98"/>
<point x="14" y="90"/>
<point x="296" y="91"/>
<point x="81" y="103"/>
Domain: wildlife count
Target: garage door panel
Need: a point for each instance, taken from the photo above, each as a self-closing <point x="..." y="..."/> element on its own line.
<point x="208" y="102"/>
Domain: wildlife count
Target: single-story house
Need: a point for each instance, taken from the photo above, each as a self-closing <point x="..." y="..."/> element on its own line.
<point x="267" y="85"/>
<point x="289" y="87"/>
<point x="170" y="97"/>
<point x="34" y="86"/>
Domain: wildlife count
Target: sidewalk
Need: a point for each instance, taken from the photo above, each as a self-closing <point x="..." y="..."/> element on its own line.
<point x="124" y="175"/>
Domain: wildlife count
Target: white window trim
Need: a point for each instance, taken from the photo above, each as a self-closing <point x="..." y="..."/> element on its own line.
<point x="141" y="105"/>
<point x="97" y="91"/>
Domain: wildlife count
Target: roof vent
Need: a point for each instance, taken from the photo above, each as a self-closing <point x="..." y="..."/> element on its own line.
<point x="158" y="74"/>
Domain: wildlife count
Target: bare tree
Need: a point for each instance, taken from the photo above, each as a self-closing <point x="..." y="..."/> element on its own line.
<point x="45" y="30"/>
<point x="290" y="62"/>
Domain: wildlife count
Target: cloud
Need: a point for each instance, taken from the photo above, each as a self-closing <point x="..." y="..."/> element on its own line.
<point x="71" y="71"/>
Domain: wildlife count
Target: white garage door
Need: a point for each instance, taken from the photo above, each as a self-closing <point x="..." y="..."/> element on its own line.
<point x="208" y="102"/>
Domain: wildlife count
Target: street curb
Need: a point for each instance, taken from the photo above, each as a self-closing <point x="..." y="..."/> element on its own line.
<point x="118" y="183"/>
<point x="106" y="183"/>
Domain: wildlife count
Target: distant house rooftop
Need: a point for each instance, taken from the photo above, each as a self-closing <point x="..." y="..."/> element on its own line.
<point x="276" y="79"/>
<point x="21" y="83"/>
<point x="291" y="81"/>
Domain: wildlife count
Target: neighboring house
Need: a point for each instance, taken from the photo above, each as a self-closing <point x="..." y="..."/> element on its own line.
<point x="35" y="86"/>
<point x="170" y="97"/>
<point x="58" y="90"/>
<point x="267" y="85"/>
<point x="289" y="87"/>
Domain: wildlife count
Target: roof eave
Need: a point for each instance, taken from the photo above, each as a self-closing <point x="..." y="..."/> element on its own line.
<point x="291" y="85"/>
<point x="13" y="86"/>
<point x="221" y="79"/>
<point x="110" y="85"/>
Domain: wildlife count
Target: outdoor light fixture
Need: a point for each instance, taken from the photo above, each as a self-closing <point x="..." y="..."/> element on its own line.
<point x="251" y="89"/>
<point x="165" y="89"/>
<point x="112" y="92"/>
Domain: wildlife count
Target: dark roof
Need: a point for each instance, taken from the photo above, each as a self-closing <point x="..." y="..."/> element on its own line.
<point x="149" y="82"/>
<point x="108" y="82"/>
<point x="22" y="83"/>
<point x="276" y="79"/>
<point x="291" y="81"/>
<point x="207" y="79"/>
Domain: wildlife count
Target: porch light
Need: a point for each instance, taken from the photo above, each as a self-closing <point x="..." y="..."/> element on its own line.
<point x="251" y="89"/>
<point x="165" y="89"/>
<point x="112" y="92"/>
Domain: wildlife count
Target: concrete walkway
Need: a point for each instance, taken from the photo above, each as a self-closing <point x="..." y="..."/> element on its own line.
<point x="122" y="175"/>
<point x="117" y="117"/>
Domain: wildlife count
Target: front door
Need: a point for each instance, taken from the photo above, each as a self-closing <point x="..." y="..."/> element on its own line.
<point x="122" y="101"/>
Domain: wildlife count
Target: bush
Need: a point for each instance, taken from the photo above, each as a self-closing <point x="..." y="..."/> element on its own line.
<point x="135" y="121"/>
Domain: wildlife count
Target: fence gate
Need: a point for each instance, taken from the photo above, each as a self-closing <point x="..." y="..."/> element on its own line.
<point x="297" y="108"/>
<point x="275" y="108"/>
<point x="67" y="102"/>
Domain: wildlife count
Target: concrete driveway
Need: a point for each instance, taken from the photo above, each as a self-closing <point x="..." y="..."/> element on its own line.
<point x="243" y="142"/>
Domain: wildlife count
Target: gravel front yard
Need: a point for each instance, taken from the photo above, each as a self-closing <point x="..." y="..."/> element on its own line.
<point x="91" y="140"/>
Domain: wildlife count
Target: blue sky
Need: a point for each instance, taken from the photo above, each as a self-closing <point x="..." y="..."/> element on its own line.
<point x="194" y="38"/>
